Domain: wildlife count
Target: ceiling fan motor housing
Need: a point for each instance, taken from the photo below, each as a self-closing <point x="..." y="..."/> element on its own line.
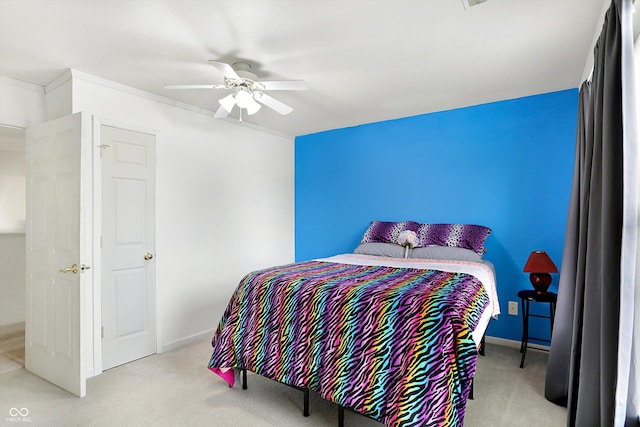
<point x="244" y="70"/>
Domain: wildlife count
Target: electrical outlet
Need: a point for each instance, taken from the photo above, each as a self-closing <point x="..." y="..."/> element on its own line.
<point x="513" y="308"/>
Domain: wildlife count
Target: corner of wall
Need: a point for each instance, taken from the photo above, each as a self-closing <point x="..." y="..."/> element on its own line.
<point x="21" y="103"/>
<point x="58" y="96"/>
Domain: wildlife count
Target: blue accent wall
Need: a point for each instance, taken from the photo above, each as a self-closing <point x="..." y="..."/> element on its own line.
<point x="507" y="165"/>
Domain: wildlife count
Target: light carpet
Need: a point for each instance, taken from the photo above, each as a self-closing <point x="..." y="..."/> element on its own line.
<point x="176" y="389"/>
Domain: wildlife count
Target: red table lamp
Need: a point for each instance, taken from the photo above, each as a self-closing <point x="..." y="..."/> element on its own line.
<point x="540" y="265"/>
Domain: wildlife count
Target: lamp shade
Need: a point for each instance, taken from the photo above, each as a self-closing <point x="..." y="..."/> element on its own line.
<point x="539" y="265"/>
<point x="539" y="262"/>
<point x="243" y="98"/>
<point x="227" y="102"/>
<point x="253" y="107"/>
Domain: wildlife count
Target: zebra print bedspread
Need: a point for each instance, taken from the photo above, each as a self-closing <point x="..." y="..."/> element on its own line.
<point x="391" y="343"/>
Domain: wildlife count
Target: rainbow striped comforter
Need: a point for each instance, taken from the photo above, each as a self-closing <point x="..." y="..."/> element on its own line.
<point x="389" y="342"/>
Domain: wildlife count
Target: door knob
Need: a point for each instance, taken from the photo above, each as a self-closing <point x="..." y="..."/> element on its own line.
<point x="73" y="269"/>
<point x="148" y="256"/>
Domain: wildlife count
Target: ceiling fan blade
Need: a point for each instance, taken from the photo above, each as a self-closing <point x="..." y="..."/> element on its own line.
<point x="284" y="85"/>
<point x="221" y="113"/>
<point x="195" y="87"/>
<point x="226" y="69"/>
<point x="272" y="103"/>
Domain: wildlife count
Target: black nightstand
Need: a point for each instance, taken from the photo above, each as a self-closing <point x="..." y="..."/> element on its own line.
<point x="532" y="296"/>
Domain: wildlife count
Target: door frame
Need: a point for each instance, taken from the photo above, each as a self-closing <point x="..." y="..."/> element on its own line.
<point x="96" y="321"/>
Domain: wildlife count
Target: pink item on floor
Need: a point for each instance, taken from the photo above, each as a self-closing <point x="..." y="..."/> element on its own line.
<point x="226" y="374"/>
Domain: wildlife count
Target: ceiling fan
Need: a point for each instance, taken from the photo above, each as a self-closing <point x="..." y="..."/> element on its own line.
<point x="248" y="92"/>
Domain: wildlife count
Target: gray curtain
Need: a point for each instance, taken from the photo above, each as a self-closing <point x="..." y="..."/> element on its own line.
<point x="583" y="374"/>
<point x="557" y="379"/>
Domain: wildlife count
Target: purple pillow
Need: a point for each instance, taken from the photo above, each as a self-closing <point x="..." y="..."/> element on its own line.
<point x="467" y="236"/>
<point x="387" y="232"/>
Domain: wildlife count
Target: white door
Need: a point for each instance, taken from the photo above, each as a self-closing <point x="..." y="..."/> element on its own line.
<point x="58" y="210"/>
<point x="128" y="245"/>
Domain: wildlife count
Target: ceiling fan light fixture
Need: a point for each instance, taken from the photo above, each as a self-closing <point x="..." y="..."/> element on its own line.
<point x="243" y="98"/>
<point x="253" y="107"/>
<point x="243" y="70"/>
<point x="227" y="102"/>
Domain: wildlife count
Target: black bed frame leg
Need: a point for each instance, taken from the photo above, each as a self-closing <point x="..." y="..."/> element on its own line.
<point x="471" y="391"/>
<point x="340" y="416"/>
<point x="481" y="351"/>
<point x="244" y="379"/>
<point x="305" y="411"/>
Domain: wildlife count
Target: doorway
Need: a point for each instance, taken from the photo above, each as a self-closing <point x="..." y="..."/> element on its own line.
<point x="12" y="277"/>
<point x="12" y="248"/>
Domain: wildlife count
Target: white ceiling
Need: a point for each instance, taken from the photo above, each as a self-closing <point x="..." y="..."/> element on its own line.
<point x="364" y="60"/>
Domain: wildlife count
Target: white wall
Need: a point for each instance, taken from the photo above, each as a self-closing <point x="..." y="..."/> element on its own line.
<point x="12" y="249"/>
<point x="58" y="97"/>
<point x="12" y="191"/>
<point x="224" y="201"/>
<point x="20" y="103"/>
<point x="12" y="258"/>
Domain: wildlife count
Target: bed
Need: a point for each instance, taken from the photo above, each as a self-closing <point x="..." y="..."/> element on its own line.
<point x="390" y="333"/>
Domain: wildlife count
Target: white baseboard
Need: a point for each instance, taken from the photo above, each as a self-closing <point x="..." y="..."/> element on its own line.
<point x="515" y="344"/>
<point x="188" y="340"/>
